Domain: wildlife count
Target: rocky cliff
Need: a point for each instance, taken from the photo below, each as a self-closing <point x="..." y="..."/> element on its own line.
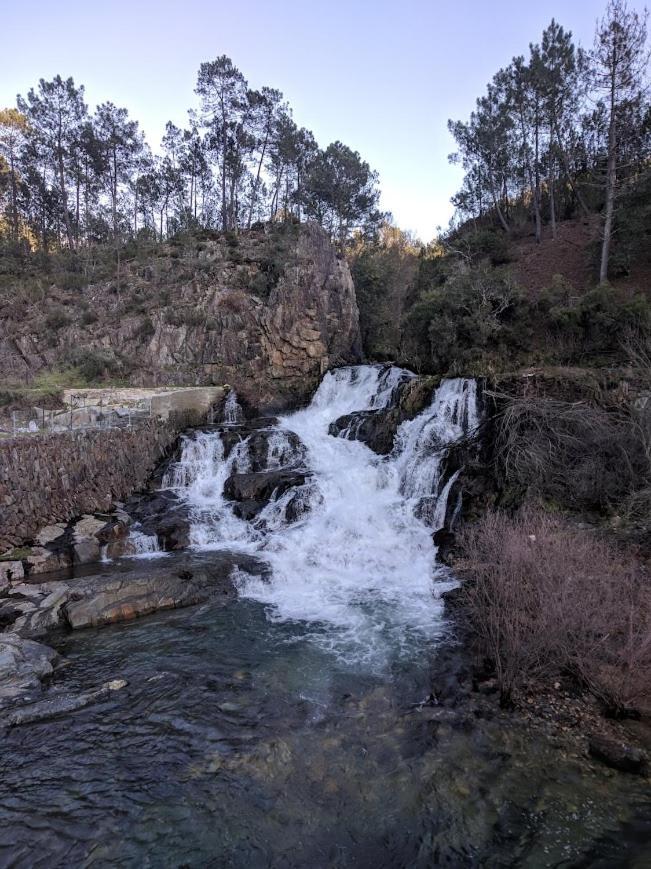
<point x="266" y="312"/>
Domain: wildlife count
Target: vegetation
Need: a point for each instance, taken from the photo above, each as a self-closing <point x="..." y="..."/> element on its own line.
<point x="71" y="180"/>
<point x="562" y="132"/>
<point x="548" y="600"/>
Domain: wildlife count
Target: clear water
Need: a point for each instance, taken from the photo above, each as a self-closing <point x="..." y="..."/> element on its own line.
<point x="240" y="742"/>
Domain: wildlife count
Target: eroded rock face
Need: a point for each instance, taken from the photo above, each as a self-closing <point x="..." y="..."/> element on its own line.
<point x="215" y="312"/>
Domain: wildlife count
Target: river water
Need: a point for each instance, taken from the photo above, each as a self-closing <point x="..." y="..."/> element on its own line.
<point x="292" y="727"/>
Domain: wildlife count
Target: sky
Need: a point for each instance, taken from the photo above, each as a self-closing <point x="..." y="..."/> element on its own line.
<point x="383" y="77"/>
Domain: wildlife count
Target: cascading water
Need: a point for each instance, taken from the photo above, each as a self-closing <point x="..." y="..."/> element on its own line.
<point x="233" y="413"/>
<point x="141" y="545"/>
<point x="422" y="444"/>
<point x="359" y="565"/>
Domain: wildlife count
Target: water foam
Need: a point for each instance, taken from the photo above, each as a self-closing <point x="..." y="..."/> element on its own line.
<point x="359" y="566"/>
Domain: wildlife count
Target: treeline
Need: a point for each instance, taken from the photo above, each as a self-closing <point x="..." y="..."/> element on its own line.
<point x="562" y="132"/>
<point x="72" y="179"/>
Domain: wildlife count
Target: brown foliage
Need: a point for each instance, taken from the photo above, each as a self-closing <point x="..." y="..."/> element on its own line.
<point x="575" y="453"/>
<point x="545" y="598"/>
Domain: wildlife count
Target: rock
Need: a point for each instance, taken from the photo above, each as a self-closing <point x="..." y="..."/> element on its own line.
<point x="116" y="684"/>
<point x="50" y="533"/>
<point x="10" y="571"/>
<point x="47" y="611"/>
<point x="42" y="560"/>
<point x="617" y="754"/>
<point x="445" y="542"/>
<point x="108" y="599"/>
<point x="274" y="449"/>
<point x="269" y="334"/>
<point x="254" y="490"/>
<point x="163" y="515"/>
<point x="86" y="536"/>
<point x="23" y="666"/>
<point x="51" y="707"/>
<point x="375" y="428"/>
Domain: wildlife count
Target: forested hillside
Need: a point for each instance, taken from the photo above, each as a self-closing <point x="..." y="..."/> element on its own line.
<point x="548" y="259"/>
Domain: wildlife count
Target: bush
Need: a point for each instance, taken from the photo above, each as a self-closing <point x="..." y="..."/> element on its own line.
<point x="56" y="319"/>
<point x="572" y="453"/>
<point x="546" y="599"/>
<point x="476" y="321"/>
<point x="95" y="365"/>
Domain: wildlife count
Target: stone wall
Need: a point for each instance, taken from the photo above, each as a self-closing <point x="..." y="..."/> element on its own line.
<point x="46" y="479"/>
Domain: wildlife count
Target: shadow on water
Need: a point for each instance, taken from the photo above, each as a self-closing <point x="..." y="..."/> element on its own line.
<point x="238" y="742"/>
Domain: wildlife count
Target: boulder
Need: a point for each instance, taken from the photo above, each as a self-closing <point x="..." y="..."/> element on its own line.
<point x="44" y="560"/>
<point x="51" y="533"/>
<point x="617" y="755"/>
<point x="107" y="599"/>
<point x="163" y="515"/>
<point x="376" y="428"/>
<point x="253" y="491"/>
<point x="23" y="666"/>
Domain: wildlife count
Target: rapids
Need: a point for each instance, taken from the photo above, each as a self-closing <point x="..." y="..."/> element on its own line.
<point x="359" y="568"/>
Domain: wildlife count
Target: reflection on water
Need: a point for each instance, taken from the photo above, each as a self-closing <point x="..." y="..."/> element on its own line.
<point x="239" y="743"/>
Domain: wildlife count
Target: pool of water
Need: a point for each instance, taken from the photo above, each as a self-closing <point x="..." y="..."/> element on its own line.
<point x="241" y="742"/>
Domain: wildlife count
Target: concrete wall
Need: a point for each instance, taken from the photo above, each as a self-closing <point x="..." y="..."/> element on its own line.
<point x="55" y="477"/>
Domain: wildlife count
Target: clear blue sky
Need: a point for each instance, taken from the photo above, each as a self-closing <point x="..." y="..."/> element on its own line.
<point x="382" y="76"/>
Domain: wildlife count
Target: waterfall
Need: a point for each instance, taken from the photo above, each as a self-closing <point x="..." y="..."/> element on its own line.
<point x="422" y="444"/>
<point x="356" y="563"/>
<point x="233" y="413"/>
<point x="141" y="545"/>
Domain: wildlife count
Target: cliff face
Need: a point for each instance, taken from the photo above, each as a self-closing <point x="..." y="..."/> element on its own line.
<point x="267" y="313"/>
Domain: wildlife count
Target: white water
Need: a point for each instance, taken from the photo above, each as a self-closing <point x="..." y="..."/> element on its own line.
<point x="233" y="412"/>
<point x="141" y="545"/>
<point x="359" y="566"/>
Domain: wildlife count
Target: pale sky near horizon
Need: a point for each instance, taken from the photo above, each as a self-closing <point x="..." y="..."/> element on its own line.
<point x="381" y="76"/>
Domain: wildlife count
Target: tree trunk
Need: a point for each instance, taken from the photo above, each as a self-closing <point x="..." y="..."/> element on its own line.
<point x="64" y="201"/>
<point x="552" y="199"/>
<point x="611" y="181"/>
<point x="224" y="213"/>
<point x="568" y="175"/>
<point x="14" y="198"/>
<point x="257" y="180"/>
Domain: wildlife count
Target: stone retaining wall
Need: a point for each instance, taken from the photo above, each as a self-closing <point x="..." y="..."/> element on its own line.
<point x="52" y="478"/>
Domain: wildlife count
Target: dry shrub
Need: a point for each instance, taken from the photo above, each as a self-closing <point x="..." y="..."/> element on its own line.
<point x="545" y="599"/>
<point x="577" y="454"/>
<point x="235" y="301"/>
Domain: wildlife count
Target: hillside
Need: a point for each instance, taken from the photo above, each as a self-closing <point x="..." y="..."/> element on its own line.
<point x="266" y="311"/>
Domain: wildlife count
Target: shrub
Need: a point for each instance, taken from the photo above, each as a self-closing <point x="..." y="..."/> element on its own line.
<point x="88" y="317"/>
<point x="547" y="599"/>
<point x="145" y="329"/>
<point x="476" y="319"/>
<point x="94" y="365"/>
<point x="572" y="453"/>
<point x="56" y="319"/>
